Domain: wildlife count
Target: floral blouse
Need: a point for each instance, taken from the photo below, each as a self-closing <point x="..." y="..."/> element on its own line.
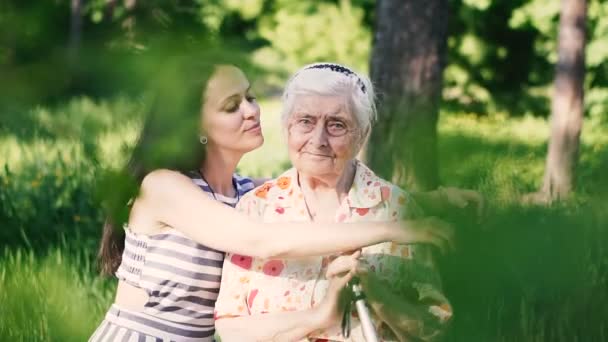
<point x="252" y="286"/>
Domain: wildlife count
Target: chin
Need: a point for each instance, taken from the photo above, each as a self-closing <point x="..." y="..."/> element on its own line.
<point x="315" y="169"/>
<point x="253" y="145"/>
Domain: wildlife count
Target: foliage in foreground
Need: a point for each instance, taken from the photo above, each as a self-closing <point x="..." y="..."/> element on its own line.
<point x="525" y="273"/>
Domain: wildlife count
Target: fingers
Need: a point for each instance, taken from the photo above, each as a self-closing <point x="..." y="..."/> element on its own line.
<point x="441" y="234"/>
<point x="337" y="283"/>
<point x="443" y="245"/>
<point x="455" y="196"/>
<point x="343" y="264"/>
<point x="478" y="199"/>
<point x="436" y="232"/>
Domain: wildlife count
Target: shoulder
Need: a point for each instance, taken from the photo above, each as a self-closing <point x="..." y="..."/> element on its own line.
<point x="276" y="188"/>
<point x="366" y="178"/>
<point x="392" y="196"/>
<point x="168" y="185"/>
<point x="271" y="190"/>
<point x="163" y="177"/>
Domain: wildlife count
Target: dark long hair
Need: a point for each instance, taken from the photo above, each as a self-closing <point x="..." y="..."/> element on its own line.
<point x="169" y="140"/>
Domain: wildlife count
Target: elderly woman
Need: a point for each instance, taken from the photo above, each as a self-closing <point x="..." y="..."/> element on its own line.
<point x="328" y="112"/>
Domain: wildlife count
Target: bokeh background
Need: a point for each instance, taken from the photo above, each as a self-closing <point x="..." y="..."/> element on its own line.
<point x="73" y="91"/>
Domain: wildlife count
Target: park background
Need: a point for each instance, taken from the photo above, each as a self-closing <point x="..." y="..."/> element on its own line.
<point x="73" y="79"/>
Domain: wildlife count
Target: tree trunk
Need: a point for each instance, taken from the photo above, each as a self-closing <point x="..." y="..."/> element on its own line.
<point x="129" y="23"/>
<point x="407" y="65"/>
<point x="75" y="25"/>
<point x="567" y="107"/>
<point x="109" y="10"/>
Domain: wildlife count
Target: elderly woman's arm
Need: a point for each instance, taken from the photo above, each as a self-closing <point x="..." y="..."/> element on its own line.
<point x="232" y="309"/>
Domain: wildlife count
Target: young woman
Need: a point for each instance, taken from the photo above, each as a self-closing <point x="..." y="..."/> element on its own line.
<point x="168" y="258"/>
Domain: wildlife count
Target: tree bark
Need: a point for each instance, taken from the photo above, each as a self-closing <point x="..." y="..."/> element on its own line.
<point x="109" y="10"/>
<point x="129" y="23"/>
<point x="407" y="65"/>
<point x="75" y="25"/>
<point x="567" y="106"/>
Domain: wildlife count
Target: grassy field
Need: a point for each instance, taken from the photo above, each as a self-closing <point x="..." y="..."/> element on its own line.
<point x="525" y="274"/>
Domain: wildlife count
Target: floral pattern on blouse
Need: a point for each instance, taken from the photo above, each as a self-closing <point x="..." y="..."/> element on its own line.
<point x="253" y="286"/>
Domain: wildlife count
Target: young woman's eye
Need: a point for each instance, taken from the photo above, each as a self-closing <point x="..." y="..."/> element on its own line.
<point x="250" y="98"/>
<point x="232" y="107"/>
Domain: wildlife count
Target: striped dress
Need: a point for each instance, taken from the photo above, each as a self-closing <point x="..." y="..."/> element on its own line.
<point x="182" y="279"/>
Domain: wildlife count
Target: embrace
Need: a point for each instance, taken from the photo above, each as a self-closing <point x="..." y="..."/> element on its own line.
<point x="207" y="254"/>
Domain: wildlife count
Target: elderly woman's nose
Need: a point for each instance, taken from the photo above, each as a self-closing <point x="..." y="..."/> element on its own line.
<point x="319" y="135"/>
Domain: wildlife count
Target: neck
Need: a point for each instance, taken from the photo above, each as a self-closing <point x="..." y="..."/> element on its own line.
<point x="217" y="169"/>
<point x="339" y="183"/>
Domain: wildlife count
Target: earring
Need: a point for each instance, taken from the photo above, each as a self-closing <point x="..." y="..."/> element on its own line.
<point x="203" y="139"/>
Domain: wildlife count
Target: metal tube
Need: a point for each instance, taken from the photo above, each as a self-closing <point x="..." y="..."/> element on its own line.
<point x="367" y="325"/>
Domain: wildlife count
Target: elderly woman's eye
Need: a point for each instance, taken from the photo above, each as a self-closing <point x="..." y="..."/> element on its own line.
<point x="336" y="127"/>
<point x="304" y="122"/>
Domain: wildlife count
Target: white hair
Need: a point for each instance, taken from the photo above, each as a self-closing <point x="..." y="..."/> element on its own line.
<point x="330" y="79"/>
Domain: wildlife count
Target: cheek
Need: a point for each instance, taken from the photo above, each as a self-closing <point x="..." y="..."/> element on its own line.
<point x="224" y="130"/>
<point x="342" y="147"/>
<point x="228" y="124"/>
<point x="295" y="142"/>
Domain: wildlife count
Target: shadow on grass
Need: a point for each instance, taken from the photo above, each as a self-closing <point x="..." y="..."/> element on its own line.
<point x="530" y="273"/>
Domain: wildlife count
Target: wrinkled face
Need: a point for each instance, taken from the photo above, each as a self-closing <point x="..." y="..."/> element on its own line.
<point x="231" y="116"/>
<point x="322" y="135"/>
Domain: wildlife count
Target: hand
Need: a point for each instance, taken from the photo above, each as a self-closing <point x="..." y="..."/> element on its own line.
<point x="347" y="263"/>
<point x="462" y="198"/>
<point x="329" y="312"/>
<point x="429" y="230"/>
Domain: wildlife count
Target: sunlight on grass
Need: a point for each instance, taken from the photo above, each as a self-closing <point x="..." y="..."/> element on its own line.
<point x="50" y="298"/>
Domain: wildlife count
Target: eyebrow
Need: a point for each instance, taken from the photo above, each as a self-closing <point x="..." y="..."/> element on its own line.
<point x="338" y="117"/>
<point x="334" y="116"/>
<point x="233" y="96"/>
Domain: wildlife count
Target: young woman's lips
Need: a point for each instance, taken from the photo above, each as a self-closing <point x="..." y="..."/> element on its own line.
<point x="254" y="129"/>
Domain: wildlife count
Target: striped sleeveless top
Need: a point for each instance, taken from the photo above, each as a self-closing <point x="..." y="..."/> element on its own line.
<point x="181" y="276"/>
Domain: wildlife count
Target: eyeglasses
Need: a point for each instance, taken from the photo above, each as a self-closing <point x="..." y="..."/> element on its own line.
<point x="333" y="127"/>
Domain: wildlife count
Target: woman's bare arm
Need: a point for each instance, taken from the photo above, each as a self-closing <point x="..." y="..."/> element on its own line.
<point x="174" y="200"/>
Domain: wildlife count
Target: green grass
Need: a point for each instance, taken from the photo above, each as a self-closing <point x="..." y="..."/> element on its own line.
<point x="50" y="297"/>
<point x="526" y="273"/>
